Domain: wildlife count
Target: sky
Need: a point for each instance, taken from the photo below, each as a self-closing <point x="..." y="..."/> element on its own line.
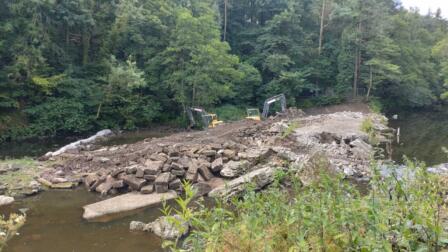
<point x="424" y="5"/>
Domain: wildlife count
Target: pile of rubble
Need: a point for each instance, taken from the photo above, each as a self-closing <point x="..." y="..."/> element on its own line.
<point x="228" y="153"/>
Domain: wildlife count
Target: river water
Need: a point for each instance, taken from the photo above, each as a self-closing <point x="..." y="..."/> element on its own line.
<point x="423" y="134"/>
<point x="54" y="221"/>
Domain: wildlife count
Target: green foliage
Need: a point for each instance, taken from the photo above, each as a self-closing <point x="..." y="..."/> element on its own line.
<point x="375" y="106"/>
<point x="198" y="67"/>
<point x="328" y="215"/>
<point x="9" y="227"/>
<point x="228" y="113"/>
<point x="290" y="129"/>
<point x="367" y="126"/>
<point x="138" y="62"/>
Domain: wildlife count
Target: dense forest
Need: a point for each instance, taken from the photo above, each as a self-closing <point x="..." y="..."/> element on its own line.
<point x="75" y="66"/>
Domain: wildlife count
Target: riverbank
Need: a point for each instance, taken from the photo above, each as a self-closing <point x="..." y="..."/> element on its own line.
<point x="294" y="139"/>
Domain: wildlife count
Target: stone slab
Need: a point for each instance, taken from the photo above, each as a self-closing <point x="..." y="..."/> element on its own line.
<point x="124" y="203"/>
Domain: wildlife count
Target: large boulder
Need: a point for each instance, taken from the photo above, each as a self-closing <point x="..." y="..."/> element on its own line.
<point x="165" y="229"/>
<point x="361" y="150"/>
<point x="233" y="169"/>
<point x="105" y="187"/>
<point x="217" y="165"/>
<point x="5" y="200"/>
<point x="153" y="167"/>
<point x="259" y="178"/>
<point x="139" y="226"/>
<point x="134" y="182"/>
<point x="201" y="189"/>
<point x="161" y="182"/>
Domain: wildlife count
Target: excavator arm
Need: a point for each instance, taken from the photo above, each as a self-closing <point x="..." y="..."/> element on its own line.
<point x="207" y="120"/>
<point x="267" y="104"/>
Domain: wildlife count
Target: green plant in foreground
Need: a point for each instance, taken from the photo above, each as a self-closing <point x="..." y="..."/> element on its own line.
<point x="290" y="129"/>
<point x="367" y="126"/>
<point x="9" y="227"/>
<point x="398" y="214"/>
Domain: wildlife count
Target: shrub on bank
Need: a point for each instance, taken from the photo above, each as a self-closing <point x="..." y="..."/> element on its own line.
<point x="330" y="215"/>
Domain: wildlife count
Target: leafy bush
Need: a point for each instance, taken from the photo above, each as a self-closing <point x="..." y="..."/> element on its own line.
<point x="230" y="113"/>
<point x="329" y="215"/>
<point x="368" y="127"/>
<point x="9" y="227"/>
<point x="291" y="128"/>
<point x="376" y="106"/>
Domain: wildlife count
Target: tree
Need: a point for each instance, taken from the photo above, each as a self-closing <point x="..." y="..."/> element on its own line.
<point x="199" y="68"/>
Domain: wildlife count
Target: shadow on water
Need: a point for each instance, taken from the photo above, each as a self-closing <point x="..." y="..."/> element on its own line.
<point x="54" y="223"/>
<point x="38" y="147"/>
<point x="423" y="134"/>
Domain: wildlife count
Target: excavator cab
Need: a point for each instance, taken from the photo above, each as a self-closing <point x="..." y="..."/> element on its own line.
<point x="198" y="117"/>
<point x="253" y="114"/>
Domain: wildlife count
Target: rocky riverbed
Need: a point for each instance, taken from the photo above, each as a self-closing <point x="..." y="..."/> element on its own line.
<point x="230" y="154"/>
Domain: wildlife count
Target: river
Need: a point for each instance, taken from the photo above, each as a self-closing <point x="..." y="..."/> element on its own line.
<point x="423" y="134"/>
<point x="54" y="223"/>
<point x="54" y="220"/>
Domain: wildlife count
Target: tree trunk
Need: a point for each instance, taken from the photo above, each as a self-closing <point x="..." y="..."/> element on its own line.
<point x="355" y="78"/>
<point x="85" y="46"/>
<point x="321" y="32"/>
<point x="370" y="83"/>
<point x="357" y="61"/>
<point x="225" y="20"/>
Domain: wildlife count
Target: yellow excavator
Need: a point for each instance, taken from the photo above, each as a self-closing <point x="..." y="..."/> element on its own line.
<point x="200" y="118"/>
<point x="254" y="113"/>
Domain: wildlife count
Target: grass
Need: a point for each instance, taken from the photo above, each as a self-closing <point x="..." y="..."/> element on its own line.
<point x="21" y="178"/>
<point x="376" y="106"/>
<point x="328" y="215"/>
<point x="367" y="126"/>
<point x="290" y="129"/>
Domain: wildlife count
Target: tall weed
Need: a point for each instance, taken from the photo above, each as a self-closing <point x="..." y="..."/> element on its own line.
<point x="398" y="214"/>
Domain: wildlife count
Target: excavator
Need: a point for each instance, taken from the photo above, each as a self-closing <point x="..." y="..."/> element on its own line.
<point x="254" y="114"/>
<point x="206" y="120"/>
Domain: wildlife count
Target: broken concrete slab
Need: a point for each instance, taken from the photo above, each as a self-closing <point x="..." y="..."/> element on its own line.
<point x="259" y="178"/>
<point x="161" y="182"/>
<point x="134" y="182"/>
<point x="233" y="169"/>
<point x="153" y="167"/>
<point x="124" y="203"/>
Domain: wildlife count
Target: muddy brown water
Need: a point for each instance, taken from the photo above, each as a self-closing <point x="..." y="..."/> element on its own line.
<point x="54" y="223"/>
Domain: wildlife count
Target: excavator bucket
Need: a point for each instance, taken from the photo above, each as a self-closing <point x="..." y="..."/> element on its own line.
<point x="214" y="121"/>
